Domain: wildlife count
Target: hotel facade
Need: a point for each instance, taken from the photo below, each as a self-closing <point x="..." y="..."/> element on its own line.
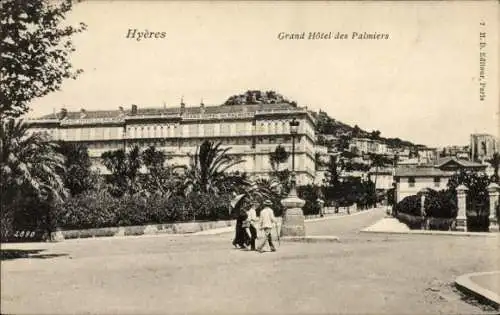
<point x="252" y="132"/>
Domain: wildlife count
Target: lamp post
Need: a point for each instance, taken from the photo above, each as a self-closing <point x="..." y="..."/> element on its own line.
<point x="293" y="218"/>
<point x="294" y="129"/>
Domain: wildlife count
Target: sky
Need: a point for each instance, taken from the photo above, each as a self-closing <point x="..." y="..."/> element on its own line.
<point x="421" y="84"/>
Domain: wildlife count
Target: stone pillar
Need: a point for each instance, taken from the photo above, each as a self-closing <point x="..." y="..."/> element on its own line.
<point x="462" y="208"/>
<point x="423" y="214"/>
<point x="422" y="211"/>
<point x="493" y="192"/>
<point x="293" y="218"/>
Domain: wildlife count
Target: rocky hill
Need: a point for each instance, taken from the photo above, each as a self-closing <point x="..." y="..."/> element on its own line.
<point x="326" y="125"/>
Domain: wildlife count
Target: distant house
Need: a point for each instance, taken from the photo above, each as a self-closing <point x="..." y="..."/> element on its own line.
<point x="365" y="145"/>
<point x="409" y="162"/>
<point x="427" y="154"/>
<point x="483" y="146"/>
<point x="454" y="164"/>
<point x="410" y="180"/>
<point x="384" y="176"/>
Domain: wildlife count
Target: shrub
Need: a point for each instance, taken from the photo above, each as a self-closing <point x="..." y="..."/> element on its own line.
<point x="440" y="204"/>
<point x="477" y="222"/>
<point x="310" y="194"/>
<point x="412" y="221"/>
<point x="440" y="224"/>
<point x="101" y="209"/>
<point x="409" y="205"/>
<point x="88" y="210"/>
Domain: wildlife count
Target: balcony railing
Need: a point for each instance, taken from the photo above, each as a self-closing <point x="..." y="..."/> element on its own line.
<point x="92" y="121"/>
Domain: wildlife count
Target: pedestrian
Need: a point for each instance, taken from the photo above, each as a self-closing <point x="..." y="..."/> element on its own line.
<point x="266" y="222"/>
<point x="240" y="238"/>
<point x="250" y="224"/>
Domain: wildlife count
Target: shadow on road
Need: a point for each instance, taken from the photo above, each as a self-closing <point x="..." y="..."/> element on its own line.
<point x="10" y="254"/>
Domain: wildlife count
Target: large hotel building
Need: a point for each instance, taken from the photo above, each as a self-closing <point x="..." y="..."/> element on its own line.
<point x="252" y="132"/>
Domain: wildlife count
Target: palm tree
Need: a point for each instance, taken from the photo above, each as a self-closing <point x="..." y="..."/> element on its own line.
<point x="377" y="162"/>
<point x="30" y="167"/>
<point x="160" y="178"/>
<point x="278" y="156"/>
<point x="79" y="176"/>
<point x="208" y="169"/>
<point x="29" y="161"/>
<point x="153" y="159"/>
<point x="124" y="168"/>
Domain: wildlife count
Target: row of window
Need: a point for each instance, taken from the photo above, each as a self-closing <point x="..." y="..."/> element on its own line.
<point x="194" y="142"/>
<point x="173" y="130"/>
<point x="411" y="181"/>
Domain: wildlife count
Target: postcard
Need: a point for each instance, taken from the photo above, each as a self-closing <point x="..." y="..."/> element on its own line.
<point x="250" y="157"/>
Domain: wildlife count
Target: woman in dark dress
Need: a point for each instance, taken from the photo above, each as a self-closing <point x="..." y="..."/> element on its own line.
<point x="241" y="237"/>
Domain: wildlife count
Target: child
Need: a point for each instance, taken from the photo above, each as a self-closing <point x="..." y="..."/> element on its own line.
<point x="267" y="220"/>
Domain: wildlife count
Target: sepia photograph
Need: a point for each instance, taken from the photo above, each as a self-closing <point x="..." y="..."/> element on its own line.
<point x="249" y="157"/>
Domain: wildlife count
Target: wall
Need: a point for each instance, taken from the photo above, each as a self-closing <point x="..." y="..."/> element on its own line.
<point x="404" y="188"/>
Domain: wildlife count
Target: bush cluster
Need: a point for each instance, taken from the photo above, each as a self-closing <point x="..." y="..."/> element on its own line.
<point x="412" y="221"/>
<point x="310" y="194"/>
<point x="409" y="205"/>
<point x="440" y="204"/>
<point x="441" y="209"/>
<point x="101" y="209"/>
<point x="437" y="204"/>
<point x="352" y="191"/>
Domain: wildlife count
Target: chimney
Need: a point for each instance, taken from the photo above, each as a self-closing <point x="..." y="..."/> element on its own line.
<point x="121" y="111"/>
<point x="63" y="113"/>
<point x="83" y="113"/>
<point x="134" y="110"/>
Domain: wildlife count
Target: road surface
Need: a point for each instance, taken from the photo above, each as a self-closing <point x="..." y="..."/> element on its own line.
<point x="363" y="273"/>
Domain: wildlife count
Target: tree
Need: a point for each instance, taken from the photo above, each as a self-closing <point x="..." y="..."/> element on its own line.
<point x="414" y="153"/>
<point x="395" y="160"/>
<point x="124" y="168"/>
<point x="160" y="178"/>
<point x="332" y="173"/>
<point x="207" y="171"/>
<point x="377" y="162"/>
<point x="252" y="97"/>
<point x="78" y="177"/>
<point x="356" y="131"/>
<point x="495" y="162"/>
<point x="153" y="159"/>
<point x="375" y="135"/>
<point x="477" y="201"/>
<point x="278" y="156"/>
<point x="30" y="168"/>
<point x="343" y="143"/>
<point x="317" y="161"/>
<point x="35" y="49"/>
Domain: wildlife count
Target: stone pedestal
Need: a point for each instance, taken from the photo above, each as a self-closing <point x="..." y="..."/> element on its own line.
<point x="493" y="191"/>
<point x="462" y="208"/>
<point x="293" y="218"/>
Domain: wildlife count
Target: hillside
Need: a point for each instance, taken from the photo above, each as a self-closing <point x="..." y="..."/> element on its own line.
<point x="330" y="126"/>
<point x="326" y="125"/>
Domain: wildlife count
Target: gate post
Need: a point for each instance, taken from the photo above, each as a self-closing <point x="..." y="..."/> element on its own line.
<point x="493" y="194"/>
<point x="462" y="208"/>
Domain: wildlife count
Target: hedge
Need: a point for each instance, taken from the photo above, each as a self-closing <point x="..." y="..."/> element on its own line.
<point x="416" y="222"/>
<point x="441" y="210"/>
<point x="96" y="210"/>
